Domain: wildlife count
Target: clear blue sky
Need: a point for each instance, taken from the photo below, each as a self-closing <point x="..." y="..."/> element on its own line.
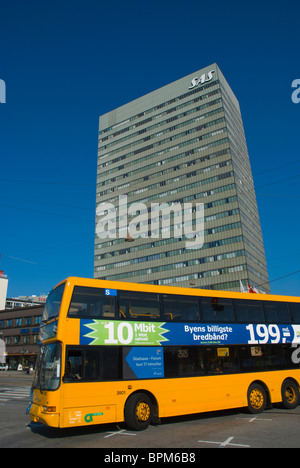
<point x="67" y="62"/>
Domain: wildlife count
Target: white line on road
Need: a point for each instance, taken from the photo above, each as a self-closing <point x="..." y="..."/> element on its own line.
<point x="122" y="432"/>
<point x="223" y="444"/>
<point x="256" y="418"/>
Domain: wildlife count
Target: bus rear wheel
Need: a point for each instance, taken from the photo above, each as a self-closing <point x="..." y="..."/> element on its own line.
<point x="290" y="394"/>
<point x="257" y="399"/>
<point x="138" y="412"/>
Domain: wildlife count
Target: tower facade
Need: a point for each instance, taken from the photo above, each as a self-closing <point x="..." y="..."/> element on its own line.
<point x="175" y="196"/>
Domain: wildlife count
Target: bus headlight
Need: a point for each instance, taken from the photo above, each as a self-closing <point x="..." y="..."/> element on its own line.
<point x="49" y="409"/>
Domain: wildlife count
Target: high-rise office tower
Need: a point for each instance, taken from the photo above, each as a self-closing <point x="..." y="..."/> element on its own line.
<point x="175" y="197"/>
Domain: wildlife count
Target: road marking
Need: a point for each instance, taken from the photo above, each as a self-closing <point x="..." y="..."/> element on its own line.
<point x="121" y="432"/>
<point x="14" y="393"/>
<point x="256" y="418"/>
<point x="223" y="444"/>
<point x="15" y="389"/>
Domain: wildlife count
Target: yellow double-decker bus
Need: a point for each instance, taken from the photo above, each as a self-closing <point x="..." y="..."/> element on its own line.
<point x="113" y="352"/>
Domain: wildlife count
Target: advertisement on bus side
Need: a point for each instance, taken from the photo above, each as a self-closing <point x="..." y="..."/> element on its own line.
<point x="127" y="333"/>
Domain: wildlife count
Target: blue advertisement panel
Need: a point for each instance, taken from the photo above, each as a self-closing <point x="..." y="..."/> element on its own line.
<point x="118" y="333"/>
<point x="208" y="334"/>
<point x="144" y="363"/>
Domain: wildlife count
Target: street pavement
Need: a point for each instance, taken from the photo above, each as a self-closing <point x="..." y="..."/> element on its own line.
<point x="275" y="428"/>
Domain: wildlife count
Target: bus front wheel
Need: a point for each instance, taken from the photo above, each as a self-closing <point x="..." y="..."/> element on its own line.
<point x="257" y="398"/>
<point x="138" y="412"/>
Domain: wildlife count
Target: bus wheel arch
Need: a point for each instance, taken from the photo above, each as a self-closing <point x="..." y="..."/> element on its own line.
<point x="141" y="409"/>
<point x="290" y="393"/>
<point x="258" y="397"/>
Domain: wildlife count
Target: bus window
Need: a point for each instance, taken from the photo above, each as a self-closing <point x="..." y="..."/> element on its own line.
<point x="180" y="308"/>
<point x="183" y="361"/>
<point x="73" y="365"/>
<point x="295" y="311"/>
<point x="139" y="306"/>
<point x="256" y="358"/>
<point x="86" y="364"/>
<point x="90" y="364"/>
<point x="281" y="357"/>
<point x="230" y="360"/>
<point x="277" y="312"/>
<point x="53" y="303"/>
<point x="217" y="310"/>
<point x="91" y="303"/>
<point x="109" y="364"/>
<point x="48" y="367"/>
<point x="249" y="311"/>
<point x="222" y="360"/>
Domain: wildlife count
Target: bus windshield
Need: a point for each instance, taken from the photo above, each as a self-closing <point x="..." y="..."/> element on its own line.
<point x="48" y="367"/>
<point x="53" y="303"/>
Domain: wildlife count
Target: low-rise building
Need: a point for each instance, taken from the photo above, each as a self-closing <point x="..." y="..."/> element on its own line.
<point x="19" y="329"/>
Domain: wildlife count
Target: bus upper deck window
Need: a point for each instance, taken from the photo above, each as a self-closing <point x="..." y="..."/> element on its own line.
<point x="91" y="303"/>
<point x="180" y="308"/>
<point x="140" y="306"/>
<point x="217" y="310"/>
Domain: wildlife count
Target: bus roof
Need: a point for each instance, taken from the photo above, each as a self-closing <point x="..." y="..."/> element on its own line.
<point x="123" y="286"/>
